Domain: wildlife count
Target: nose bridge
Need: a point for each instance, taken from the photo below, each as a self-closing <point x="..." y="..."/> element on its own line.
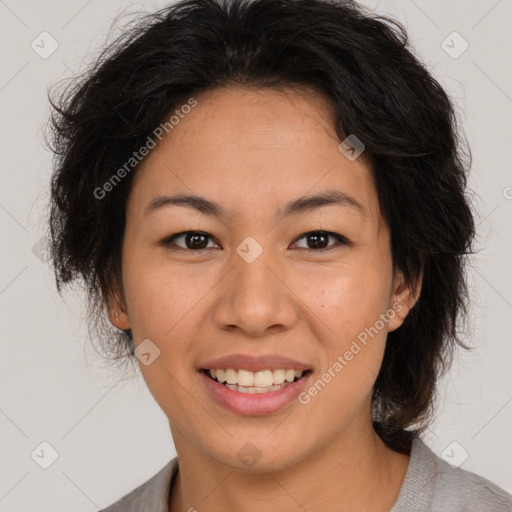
<point x="255" y="299"/>
<point x="254" y="280"/>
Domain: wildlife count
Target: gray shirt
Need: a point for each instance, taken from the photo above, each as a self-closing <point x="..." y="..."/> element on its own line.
<point x="430" y="485"/>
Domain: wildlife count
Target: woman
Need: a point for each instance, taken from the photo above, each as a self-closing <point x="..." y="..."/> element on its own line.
<point x="267" y="200"/>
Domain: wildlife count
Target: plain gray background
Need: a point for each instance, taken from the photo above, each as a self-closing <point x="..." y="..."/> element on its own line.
<point x="110" y="436"/>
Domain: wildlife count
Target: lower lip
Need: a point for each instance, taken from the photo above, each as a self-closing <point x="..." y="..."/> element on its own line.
<point x="254" y="404"/>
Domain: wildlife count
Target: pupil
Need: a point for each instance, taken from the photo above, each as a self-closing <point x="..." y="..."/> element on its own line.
<point x="195" y="236"/>
<point x="316" y="237"/>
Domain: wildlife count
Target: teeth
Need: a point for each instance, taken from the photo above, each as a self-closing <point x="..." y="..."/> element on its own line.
<point x="245" y="378"/>
<point x="231" y="376"/>
<point x="256" y="381"/>
<point x="279" y="376"/>
<point x="254" y="389"/>
<point x="262" y="379"/>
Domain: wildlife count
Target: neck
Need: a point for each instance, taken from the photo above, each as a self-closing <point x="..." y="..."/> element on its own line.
<point x="356" y="472"/>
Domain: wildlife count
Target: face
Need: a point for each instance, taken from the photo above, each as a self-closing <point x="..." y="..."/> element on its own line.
<point x="269" y="286"/>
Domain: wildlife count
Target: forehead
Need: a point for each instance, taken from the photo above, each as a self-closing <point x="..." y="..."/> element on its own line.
<point x="252" y="148"/>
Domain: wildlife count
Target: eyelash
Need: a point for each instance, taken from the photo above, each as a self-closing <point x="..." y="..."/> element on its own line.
<point x="168" y="241"/>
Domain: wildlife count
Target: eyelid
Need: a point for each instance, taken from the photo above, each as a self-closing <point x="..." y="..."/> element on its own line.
<point x="339" y="238"/>
<point x="168" y="240"/>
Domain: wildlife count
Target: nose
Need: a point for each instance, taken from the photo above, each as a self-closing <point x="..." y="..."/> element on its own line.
<point x="255" y="297"/>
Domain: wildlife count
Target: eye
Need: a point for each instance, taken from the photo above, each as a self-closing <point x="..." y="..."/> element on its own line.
<point x="319" y="239"/>
<point x="198" y="240"/>
<point x="194" y="240"/>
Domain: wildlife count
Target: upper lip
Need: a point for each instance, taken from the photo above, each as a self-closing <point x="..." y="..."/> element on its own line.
<point x="254" y="363"/>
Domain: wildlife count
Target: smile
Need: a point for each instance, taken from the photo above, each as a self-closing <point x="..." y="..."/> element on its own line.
<point x="254" y="393"/>
<point x="246" y="381"/>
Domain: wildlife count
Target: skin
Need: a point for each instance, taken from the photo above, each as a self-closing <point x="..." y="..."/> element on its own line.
<point x="252" y="151"/>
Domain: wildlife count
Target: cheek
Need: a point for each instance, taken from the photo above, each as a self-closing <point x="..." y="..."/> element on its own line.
<point x="352" y="339"/>
<point x="163" y="298"/>
<point x="348" y="303"/>
<point x="347" y="298"/>
<point x="165" y="305"/>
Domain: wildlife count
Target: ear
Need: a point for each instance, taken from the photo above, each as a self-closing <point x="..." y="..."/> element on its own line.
<point x="403" y="299"/>
<point x="117" y="311"/>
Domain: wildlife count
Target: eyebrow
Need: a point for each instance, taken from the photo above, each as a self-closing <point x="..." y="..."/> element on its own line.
<point x="300" y="205"/>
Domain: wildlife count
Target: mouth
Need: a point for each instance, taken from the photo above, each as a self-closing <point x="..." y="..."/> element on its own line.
<point x="255" y="382"/>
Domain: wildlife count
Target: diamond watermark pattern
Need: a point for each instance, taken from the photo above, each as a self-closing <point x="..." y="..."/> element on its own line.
<point x="44" y="45"/>
<point x="454" y="454"/>
<point x="454" y="45"/>
<point x="249" y="454"/>
<point x="351" y="147"/>
<point x="146" y="352"/>
<point x="249" y="249"/>
<point x="44" y="455"/>
<point x="40" y="251"/>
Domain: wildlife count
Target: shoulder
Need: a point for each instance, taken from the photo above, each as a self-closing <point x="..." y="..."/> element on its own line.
<point x="431" y="484"/>
<point x="461" y="490"/>
<point x="151" y="496"/>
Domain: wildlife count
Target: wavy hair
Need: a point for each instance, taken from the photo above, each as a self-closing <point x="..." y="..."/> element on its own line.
<point x="380" y="92"/>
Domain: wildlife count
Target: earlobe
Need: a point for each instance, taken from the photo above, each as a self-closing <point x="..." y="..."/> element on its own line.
<point x="117" y="313"/>
<point x="404" y="298"/>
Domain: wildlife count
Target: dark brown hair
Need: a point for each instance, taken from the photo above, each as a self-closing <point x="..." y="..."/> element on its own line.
<point x="380" y="92"/>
